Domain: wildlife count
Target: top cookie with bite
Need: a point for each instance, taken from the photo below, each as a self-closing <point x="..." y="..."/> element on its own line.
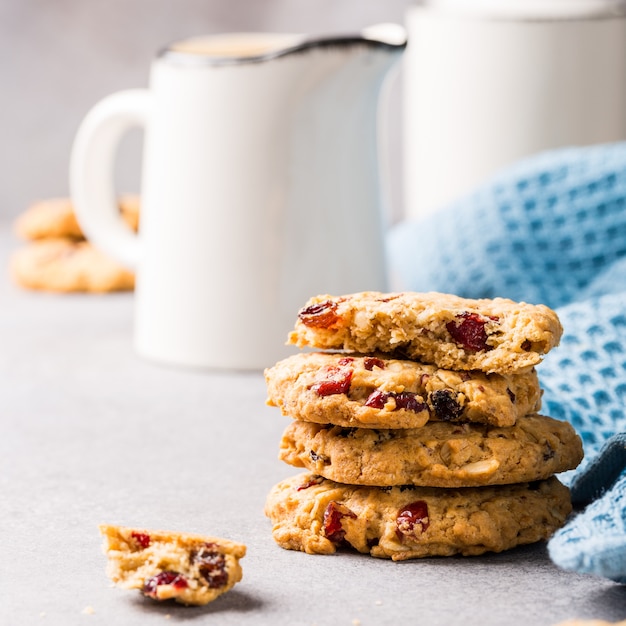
<point x="492" y="335"/>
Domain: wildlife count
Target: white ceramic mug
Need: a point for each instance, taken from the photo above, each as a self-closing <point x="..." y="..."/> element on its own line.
<point x="260" y="188"/>
<point x="488" y="82"/>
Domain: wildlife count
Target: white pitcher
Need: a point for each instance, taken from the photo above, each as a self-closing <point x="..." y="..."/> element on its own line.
<point x="260" y="188"/>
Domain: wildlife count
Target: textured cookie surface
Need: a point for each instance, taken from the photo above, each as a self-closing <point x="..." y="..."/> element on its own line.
<point x="55" y="218"/>
<point x="63" y="265"/>
<point x="454" y="333"/>
<point x="373" y="392"/>
<point x="435" y="455"/>
<point x="164" y="565"/>
<point x="316" y="515"/>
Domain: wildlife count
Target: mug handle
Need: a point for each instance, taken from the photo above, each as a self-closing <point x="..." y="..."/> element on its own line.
<point x="91" y="172"/>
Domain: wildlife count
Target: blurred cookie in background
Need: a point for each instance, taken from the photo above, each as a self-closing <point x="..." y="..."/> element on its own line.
<point x="58" y="258"/>
<point x="63" y="265"/>
<point x="55" y="217"/>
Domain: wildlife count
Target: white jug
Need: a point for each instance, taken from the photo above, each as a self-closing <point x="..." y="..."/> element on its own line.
<point x="260" y="188"/>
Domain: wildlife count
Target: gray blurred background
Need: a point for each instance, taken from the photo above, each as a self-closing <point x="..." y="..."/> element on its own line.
<point x="59" y="57"/>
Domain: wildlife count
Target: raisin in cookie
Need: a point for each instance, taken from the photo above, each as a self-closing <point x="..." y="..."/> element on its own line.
<point x="316" y="515"/>
<point x="374" y="392"/>
<point x="62" y="265"/>
<point x="435" y="455"/>
<point x="454" y="333"/>
<point x="191" y="569"/>
<point x="54" y="218"/>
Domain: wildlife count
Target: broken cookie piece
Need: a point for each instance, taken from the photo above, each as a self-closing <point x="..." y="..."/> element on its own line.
<point x="164" y="565"/>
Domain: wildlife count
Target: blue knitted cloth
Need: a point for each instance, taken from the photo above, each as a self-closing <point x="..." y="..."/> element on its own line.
<point x="551" y="229"/>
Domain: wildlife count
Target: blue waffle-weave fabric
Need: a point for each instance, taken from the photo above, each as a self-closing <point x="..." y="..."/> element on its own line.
<point x="551" y="229"/>
<point x="541" y="231"/>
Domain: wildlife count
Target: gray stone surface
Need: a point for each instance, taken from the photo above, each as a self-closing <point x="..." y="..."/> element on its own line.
<point x="92" y="434"/>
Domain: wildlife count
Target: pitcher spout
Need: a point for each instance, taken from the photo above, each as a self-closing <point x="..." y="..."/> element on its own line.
<point x="386" y="33"/>
<point x="387" y="36"/>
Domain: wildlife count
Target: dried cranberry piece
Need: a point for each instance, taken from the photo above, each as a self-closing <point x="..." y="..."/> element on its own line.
<point x="338" y="381"/>
<point x="377" y="399"/>
<point x="408" y="401"/>
<point x="468" y="330"/>
<point x="333" y="515"/>
<point x="211" y="565"/>
<point x="321" y="315"/>
<point x="143" y="539"/>
<point x="445" y="406"/>
<point x="178" y="581"/>
<point x="370" y="362"/>
<point x="316" y="480"/>
<point x="404" y="400"/>
<point x="412" y="519"/>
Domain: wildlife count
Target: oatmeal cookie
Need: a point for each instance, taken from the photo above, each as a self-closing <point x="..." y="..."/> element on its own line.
<point x="63" y="265"/>
<point x="454" y="333"/>
<point x="55" y="218"/>
<point x="316" y="515"/>
<point x="375" y="392"/>
<point x="164" y="565"/>
<point x="435" y="455"/>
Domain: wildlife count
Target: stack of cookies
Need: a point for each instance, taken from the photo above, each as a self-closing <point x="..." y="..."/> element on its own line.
<point x="418" y="426"/>
<point x="57" y="257"/>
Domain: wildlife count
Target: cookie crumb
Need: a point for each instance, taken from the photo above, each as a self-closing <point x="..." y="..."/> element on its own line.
<point x="201" y="567"/>
<point x="42" y="614"/>
<point x="378" y="602"/>
<point x="356" y="622"/>
<point x="88" y="610"/>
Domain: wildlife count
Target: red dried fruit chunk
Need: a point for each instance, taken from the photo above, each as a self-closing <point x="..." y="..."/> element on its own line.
<point x="468" y="330"/>
<point x="337" y="381"/>
<point x="333" y="515"/>
<point x="142" y="539"/>
<point x="412" y="519"/>
<point x="409" y="402"/>
<point x="377" y="399"/>
<point x="404" y="400"/>
<point x="316" y="480"/>
<point x="164" y="578"/>
<point x="321" y="315"/>
<point x="369" y="363"/>
<point x="211" y="565"/>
